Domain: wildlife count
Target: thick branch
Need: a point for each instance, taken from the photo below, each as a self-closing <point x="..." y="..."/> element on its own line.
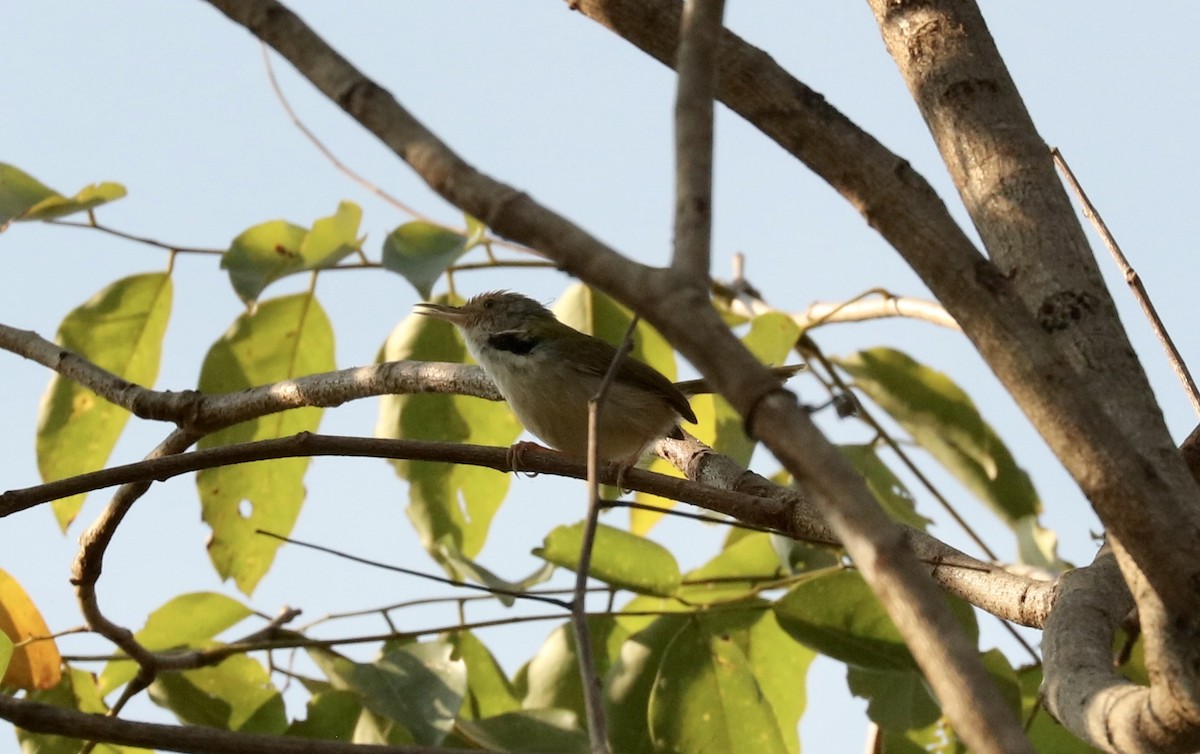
<point x="1006" y="177"/>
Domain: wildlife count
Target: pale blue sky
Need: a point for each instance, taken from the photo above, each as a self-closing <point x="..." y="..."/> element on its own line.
<point x="171" y="99"/>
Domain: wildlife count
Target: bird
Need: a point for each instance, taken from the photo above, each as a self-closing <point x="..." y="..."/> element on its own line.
<point x="548" y="371"/>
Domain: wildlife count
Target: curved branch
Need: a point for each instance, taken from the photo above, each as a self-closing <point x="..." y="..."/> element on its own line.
<point x="713" y="482"/>
<point x="1082" y="688"/>
<point x="204" y="413"/>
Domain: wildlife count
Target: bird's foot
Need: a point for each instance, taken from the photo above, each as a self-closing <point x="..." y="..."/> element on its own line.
<point x="516" y="456"/>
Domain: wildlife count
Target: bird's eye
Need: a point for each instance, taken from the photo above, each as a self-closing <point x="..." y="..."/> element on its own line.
<point x="488" y="303"/>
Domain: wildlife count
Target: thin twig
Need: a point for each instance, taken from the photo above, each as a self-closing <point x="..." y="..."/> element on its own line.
<point x="418" y="574"/>
<point x="358" y="178"/>
<point x="333" y="158"/>
<point x="94" y="225"/>
<point x="1135" y="283"/>
<point x="593" y="700"/>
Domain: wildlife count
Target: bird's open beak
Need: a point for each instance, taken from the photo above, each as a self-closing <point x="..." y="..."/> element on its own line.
<point x="451" y="314"/>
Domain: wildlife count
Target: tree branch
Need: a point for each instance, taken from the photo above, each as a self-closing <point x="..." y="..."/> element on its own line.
<point x="194" y="739"/>
<point x="697" y="65"/>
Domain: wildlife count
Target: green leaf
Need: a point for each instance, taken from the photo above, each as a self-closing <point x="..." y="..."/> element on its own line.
<point x="779" y="662"/>
<point x="943" y="420"/>
<point x="898" y="700"/>
<point x="120" y="329"/>
<point x="284" y="338"/>
<point x="23" y="197"/>
<point x="189" y="620"/>
<point x="489" y="692"/>
<point x="887" y="488"/>
<point x="263" y="254"/>
<point x="552" y="676"/>
<point x="706" y="698"/>
<point x="272" y="250"/>
<point x="75" y="691"/>
<point x="620" y="559"/>
<point x="935" y="738"/>
<point x="835" y="613"/>
<point x="594" y="313"/>
<point x="421" y="252"/>
<point x="332" y="238"/>
<point x="421" y="686"/>
<point x="770" y="339"/>
<point x="447" y="502"/>
<point x="234" y="695"/>
<point x="537" y="730"/>
<point x="751" y="557"/>
<point x="331" y="716"/>
<point x="776" y="661"/>
<point x="1002" y="673"/>
<point x="631" y="680"/>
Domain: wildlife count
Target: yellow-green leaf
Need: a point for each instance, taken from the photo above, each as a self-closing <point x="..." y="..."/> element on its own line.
<point x="332" y="238"/>
<point x="189" y="620"/>
<point x="261" y="255"/>
<point x="620" y="559"/>
<point x="447" y="502"/>
<point x="552" y="675"/>
<point x="23" y="197"/>
<point x="120" y="329"/>
<point x="489" y="692"/>
<point x="284" y="338"/>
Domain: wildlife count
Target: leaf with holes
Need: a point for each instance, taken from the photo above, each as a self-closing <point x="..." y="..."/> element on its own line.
<point x="284" y="338"/>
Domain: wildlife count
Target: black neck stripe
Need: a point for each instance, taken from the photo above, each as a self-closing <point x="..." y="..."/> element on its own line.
<point x="513" y="342"/>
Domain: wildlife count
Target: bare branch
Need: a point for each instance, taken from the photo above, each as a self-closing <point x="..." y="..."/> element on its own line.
<point x="884" y="305"/>
<point x="1174" y="358"/>
<point x="697" y="67"/>
<point x="194" y="739"/>
<point x="94" y="225"/>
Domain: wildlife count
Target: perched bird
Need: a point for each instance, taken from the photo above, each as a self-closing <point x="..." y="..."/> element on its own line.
<point x="548" y="372"/>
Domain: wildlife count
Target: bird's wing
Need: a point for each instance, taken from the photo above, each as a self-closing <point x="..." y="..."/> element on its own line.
<point x="637" y="373"/>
